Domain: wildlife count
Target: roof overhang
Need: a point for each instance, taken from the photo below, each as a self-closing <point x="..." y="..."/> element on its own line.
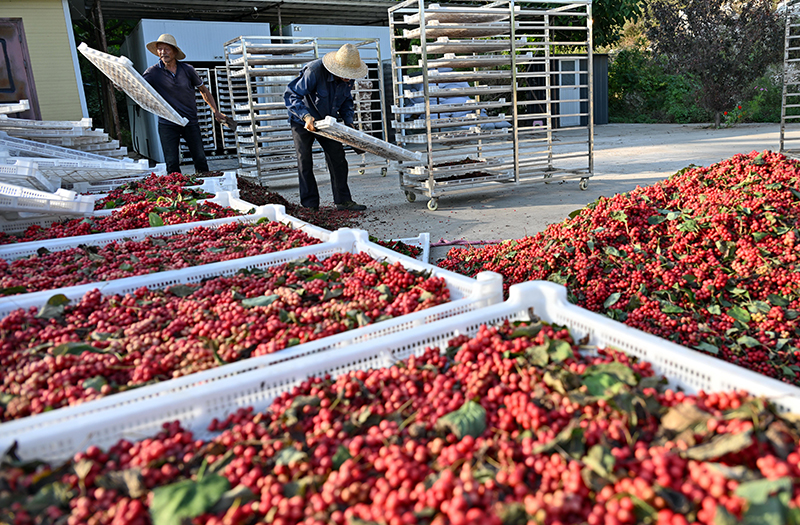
<point x="333" y="12"/>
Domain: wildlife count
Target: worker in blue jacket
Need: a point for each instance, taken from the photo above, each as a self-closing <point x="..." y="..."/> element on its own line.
<point x="324" y="89"/>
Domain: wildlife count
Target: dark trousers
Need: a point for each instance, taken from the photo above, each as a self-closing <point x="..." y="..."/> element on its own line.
<point x="170" y="136"/>
<point x="334" y="158"/>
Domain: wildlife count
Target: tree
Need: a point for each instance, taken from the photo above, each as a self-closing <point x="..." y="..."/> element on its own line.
<point x="609" y="17"/>
<point x="726" y="44"/>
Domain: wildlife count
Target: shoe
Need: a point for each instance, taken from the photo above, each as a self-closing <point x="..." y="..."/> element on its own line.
<point x="314" y="208"/>
<point x="351" y="206"/>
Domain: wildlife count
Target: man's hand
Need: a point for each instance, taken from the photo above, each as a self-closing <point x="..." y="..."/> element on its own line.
<point x="225" y="120"/>
<point x="309" y="120"/>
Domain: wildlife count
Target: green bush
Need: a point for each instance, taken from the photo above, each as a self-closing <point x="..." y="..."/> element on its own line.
<point x="640" y="90"/>
<point x="765" y="104"/>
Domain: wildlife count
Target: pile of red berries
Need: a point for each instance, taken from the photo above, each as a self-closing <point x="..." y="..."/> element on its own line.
<point x="707" y="258"/>
<point x="145" y="214"/>
<point x="174" y="186"/>
<point x="512" y="426"/>
<point x="116" y="260"/>
<point x="64" y="354"/>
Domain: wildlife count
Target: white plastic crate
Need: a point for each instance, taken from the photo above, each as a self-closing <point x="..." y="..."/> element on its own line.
<point x="15" y="107"/>
<point x="76" y="171"/>
<point x="121" y="71"/>
<point x="31" y="148"/>
<point x="423" y="241"/>
<point x="195" y="400"/>
<point x="62" y="432"/>
<point x="272" y="212"/>
<point x="25" y="172"/>
<point x="328" y="127"/>
<point x="9" y="122"/>
<point x="27" y="200"/>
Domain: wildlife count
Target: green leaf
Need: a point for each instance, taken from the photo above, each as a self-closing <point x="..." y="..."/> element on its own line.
<point x="707" y="347"/>
<point x="603" y="385"/>
<point x="610" y="250"/>
<point x="714" y="309"/>
<point x="575" y="213"/>
<point x="600" y="460"/>
<point x="125" y="267"/>
<point x="748" y="341"/>
<point x="739" y="313"/>
<point x="54" y="307"/>
<point x="560" y="350"/>
<point x="262" y="300"/>
<point x="155" y="220"/>
<point x="668" y="308"/>
<point x="526" y="330"/>
<point x="538" y="355"/>
<point x="55" y="494"/>
<point x="342" y="455"/>
<point x="759" y="491"/>
<point x="720" y="445"/>
<point x="618" y="215"/>
<point x="612" y="299"/>
<point x="96" y="382"/>
<point x="470" y="419"/>
<point x="13" y="290"/>
<point x="182" y="290"/>
<point x="778" y="300"/>
<point x="332" y="293"/>
<point x="618" y="370"/>
<point x="288" y="455"/>
<point x="74" y="348"/>
<point x="656" y="219"/>
<point x="186" y="499"/>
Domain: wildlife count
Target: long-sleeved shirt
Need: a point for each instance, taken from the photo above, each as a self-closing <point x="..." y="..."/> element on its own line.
<point x="318" y="93"/>
<point x="178" y="89"/>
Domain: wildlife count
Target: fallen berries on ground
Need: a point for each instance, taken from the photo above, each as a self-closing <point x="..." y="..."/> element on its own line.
<point x="64" y="354"/>
<point x="327" y="217"/>
<point x="117" y="260"/>
<point x="707" y="258"/>
<point x="512" y="426"/>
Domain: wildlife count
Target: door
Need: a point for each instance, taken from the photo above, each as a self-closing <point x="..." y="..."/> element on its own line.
<point x="569" y="93"/>
<point x="16" y="75"/>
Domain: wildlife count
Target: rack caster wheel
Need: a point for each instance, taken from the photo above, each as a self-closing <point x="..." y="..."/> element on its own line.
<point x="411" y="196"/>
<point x="383" y="171"/>
<point x="361" y="171"/>
<point x="433" y="204"/>
<point x="584" y="183"/>
<point x="547" y="176"/>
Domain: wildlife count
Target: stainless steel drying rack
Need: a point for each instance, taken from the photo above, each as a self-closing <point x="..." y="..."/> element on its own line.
<point x="528" y="66"/>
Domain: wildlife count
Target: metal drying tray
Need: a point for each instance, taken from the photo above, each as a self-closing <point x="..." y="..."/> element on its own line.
<point x="328" y="127"/>
<point x="271" y="49"/>
<point x="471" y="61"/>
<point x="9" y="122"/>
<point x="449" y="108"/>
<point x="468" y="120"/>
<point x="122" y="73"/>
<point x="469" y="135"/>
<point x="266" y="72"/>
<point x="457" y="76"/>
<point x="464" y="15"/>
<point x="435" y="92"/>
<point x="436" y="30"/>
<point x="263" y="60"/>
<point x="445" y="45"/>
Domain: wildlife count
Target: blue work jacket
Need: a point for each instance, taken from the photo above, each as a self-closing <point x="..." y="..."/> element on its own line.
<point x="316" y="92"/>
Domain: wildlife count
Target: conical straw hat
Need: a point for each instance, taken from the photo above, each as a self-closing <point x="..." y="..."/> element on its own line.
<point x="166" y="39"/>
<point x="345" y="63"/>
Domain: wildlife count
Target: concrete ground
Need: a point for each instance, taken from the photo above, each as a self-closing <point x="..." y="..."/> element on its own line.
<point x="626" y="156"/>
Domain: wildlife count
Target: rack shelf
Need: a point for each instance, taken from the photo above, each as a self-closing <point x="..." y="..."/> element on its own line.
<point x="263" y="66"/>
<point x="496" y="88"/>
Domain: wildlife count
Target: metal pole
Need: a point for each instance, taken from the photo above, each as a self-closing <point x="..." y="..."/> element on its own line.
<point x="514" y="97"/>
<point x="590" y="60"/>
<point x="785" y="78"/>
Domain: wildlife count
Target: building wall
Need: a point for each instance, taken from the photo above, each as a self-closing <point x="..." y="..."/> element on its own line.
<point x="52" y="52"/>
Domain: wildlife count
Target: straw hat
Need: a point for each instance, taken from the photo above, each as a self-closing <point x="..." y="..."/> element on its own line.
<point x="345" y="63"/>
<point x="166" y="39"/>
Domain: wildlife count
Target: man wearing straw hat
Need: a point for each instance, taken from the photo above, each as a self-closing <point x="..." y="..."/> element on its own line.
<point x="176" y="81"/>
<point x="324" y="89"/>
